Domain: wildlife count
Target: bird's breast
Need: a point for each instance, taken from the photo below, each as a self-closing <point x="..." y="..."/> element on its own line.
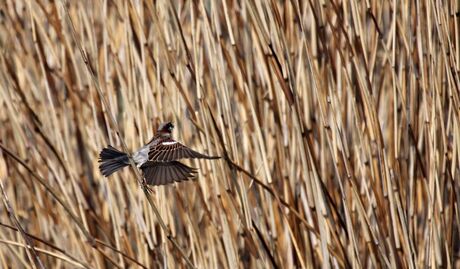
<point x="142" y="155"/>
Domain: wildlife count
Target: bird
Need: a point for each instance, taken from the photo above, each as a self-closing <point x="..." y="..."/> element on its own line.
<point x="158" y="159"/>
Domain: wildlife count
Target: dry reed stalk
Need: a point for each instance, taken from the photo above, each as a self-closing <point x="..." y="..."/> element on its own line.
<point x="337" y="121"/>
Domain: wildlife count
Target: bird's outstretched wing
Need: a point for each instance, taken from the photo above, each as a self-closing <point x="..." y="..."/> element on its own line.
<point x="162" y="173"/>
<point x="171" y="150"/>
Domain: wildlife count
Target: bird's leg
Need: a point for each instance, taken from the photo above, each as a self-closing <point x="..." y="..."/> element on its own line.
<point x="149" y="188"/>
<point x="146" y="186"/>
<point x="143" y="183"/>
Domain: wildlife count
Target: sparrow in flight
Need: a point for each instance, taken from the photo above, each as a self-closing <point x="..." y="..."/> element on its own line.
<point x="158" y="159"/>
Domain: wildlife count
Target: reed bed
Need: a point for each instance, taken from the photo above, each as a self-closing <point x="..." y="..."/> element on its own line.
<point x="337" y="123"/>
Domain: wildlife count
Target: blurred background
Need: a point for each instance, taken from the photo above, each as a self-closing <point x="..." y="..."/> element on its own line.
<point x="337" y="121"/>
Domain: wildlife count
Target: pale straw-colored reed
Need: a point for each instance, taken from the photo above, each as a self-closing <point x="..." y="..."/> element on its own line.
<point x="337" y="121"/>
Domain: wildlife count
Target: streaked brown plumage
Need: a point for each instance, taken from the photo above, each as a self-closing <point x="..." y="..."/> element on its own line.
<point x="158" y="159"/>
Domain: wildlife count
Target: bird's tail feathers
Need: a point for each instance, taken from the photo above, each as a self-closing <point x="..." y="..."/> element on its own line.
<point x="112" y="160"/>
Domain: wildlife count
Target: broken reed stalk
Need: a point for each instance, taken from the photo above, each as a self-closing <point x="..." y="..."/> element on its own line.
<point x="64" y="254"/>
<point x="30" y="248"/>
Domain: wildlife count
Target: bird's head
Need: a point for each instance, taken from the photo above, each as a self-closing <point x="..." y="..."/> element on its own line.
<point x="166" y="128"/>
